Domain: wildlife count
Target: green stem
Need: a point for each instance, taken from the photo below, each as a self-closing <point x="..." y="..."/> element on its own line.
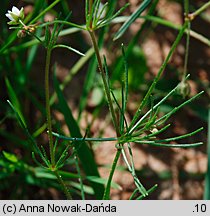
<point x="173" y="26"/>
<point x="186" y="7"/>
<point x="80" y="176"/>
<point x="48" y="113"/>
<point x="90" y="12"/>
<point x="22" y="23"/>
<point x="106" y="87"/>
<point x="65" y="189"/>
<point x="106" y="195"/>
<point x="90" y="6"/>
<point x="186" y="51"/>
<point x="149" y="191"/>
<point x="111" y="108"/>
<point x="49" y="125"/>
<point x="200" y="10"/>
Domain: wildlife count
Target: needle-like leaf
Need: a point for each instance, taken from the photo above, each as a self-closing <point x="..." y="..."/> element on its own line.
<point x="132" y="18"/>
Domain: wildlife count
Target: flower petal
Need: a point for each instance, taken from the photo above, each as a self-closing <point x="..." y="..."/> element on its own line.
<point x="15" y="10"/>
<point x="9" y="16"/>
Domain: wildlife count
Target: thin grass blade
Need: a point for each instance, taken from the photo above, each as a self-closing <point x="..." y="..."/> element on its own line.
<point x="15" y="101"/>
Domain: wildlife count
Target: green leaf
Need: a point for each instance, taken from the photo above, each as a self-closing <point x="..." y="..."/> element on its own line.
<point x="65" y="174"/>
<point x="87" y="189"/>
<point x="103" y="182"/>
<point x="31" y="139"/>
<point x="84" y="153"/>
<point x="132" y="18"/>
<point x="10" y="157"/>
<point x="43" y="173"/>
<point x="108" y="20"/>
<point x="14" y="100"/>
<point x="118" y="67"/>
<point x="47" y="36"/>
<point x="9" y="41"/>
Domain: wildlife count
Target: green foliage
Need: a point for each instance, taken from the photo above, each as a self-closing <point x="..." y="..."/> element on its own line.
<point x="132" y="18"/>
<point x="81" y="147"/>
<point x="55" y="159"/>
<point x="207" y="179"/>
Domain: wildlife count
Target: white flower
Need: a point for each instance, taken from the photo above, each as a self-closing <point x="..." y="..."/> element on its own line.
<point x="15" y="15"/>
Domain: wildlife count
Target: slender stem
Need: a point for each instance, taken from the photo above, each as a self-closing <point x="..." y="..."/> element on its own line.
<point x="106" y="87"/>
<point x="48" y="112"/>
<point x="65" y="189"/>
<point x="90" y="12"/>
<point x="149" y="191"/>
<point x="106" y="195"/>
<point x="131" y="169"/>
<point x="49" y="125"/>
<point x="90" y="6"/>
<point x="186" y="7"/>
<point x="187" y="20"/>
<point x="80" y="176"/>
<point x="111" y="108"/>
<point x="22" y="23"/>
<point x="173" y="26"/>
<point x="186" y="51"/>
<point x="134" y="193"/>
<point x="200" y="10"/>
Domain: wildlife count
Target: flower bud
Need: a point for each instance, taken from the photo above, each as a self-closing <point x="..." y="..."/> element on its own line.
<point x="21" y="33"/>
<point x="183" y="89"/>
